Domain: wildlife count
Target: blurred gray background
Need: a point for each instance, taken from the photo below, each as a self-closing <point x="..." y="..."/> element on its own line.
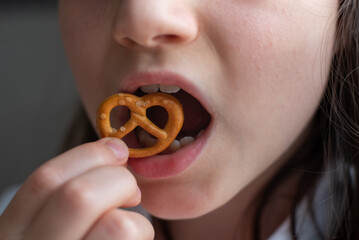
<point x="37" y="93"/>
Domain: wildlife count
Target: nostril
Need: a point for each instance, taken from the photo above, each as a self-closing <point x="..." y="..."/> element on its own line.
<point x="167" y="38"/>
<point x="161" y="39"/>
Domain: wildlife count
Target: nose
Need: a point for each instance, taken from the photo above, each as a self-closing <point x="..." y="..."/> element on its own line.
<point x="154" y="23"/>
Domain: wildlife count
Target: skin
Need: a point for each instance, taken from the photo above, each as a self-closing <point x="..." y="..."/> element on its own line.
<point x="268" y="59"/>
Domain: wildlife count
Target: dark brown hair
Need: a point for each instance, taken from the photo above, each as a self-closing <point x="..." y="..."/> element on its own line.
<point x="341" y="110"/>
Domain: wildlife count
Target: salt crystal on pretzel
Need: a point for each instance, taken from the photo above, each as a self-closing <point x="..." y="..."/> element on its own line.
<point x="138" y="107"/>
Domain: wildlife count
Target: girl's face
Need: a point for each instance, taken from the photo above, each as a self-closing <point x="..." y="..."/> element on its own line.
<point x="253" y="71"/>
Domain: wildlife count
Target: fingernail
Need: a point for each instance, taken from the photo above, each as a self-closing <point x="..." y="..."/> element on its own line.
<point x="119" y="148"/>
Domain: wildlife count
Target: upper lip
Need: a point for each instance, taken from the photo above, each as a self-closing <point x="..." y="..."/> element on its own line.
<point x="135" y="80"/>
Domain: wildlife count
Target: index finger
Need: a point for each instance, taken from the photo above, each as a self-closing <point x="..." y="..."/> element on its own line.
<point x="53" y="174"/>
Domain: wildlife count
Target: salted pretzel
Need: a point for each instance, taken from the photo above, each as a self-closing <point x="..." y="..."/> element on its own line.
<point x="138" y="107"/>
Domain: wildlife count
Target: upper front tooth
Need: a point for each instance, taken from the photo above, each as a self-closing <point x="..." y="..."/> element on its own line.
<point x="169" y="88"/>
<point x="150" y="88"/>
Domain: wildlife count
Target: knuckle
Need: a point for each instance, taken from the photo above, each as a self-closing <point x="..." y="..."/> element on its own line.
<point x="130" y="180"/>
<point x="44" y="179"/>
<point x="128" y="176"/>
<point x="123" y="226"/>
<point x="144" y="227"/>
<point x="78" y="196"/>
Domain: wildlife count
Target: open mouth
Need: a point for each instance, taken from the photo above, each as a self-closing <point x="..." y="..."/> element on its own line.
<point x="196" y="119"/>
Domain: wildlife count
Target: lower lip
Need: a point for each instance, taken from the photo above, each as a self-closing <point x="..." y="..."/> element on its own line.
<point x="170" y="165"/>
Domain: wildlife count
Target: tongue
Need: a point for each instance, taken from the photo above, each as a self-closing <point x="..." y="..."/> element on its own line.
<point x="196" y="117"/>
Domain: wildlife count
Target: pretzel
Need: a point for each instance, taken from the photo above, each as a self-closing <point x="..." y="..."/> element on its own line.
<point x="138" y="107"/>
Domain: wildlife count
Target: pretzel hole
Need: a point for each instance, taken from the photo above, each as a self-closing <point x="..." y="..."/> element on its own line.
<point x="158" y="115"/>
<point x="119" y="116"/>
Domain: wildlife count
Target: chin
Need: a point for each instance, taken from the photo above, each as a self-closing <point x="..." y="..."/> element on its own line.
<point x="176" y="209"/>
<point x="174" y="202"/>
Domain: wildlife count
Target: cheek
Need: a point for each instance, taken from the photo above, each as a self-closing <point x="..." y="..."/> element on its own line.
<point x="86" y="34"/>
<point x="278" y="38"/>
<point x="82" y="23"/>
<point x="276" y="57"/>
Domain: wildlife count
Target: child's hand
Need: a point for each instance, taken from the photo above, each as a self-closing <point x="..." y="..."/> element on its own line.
<point x="76" y="196"/>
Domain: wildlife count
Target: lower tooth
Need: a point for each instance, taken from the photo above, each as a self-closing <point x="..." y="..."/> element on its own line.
<point x="186" y="140"/>
<point x="175" y="145"/>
